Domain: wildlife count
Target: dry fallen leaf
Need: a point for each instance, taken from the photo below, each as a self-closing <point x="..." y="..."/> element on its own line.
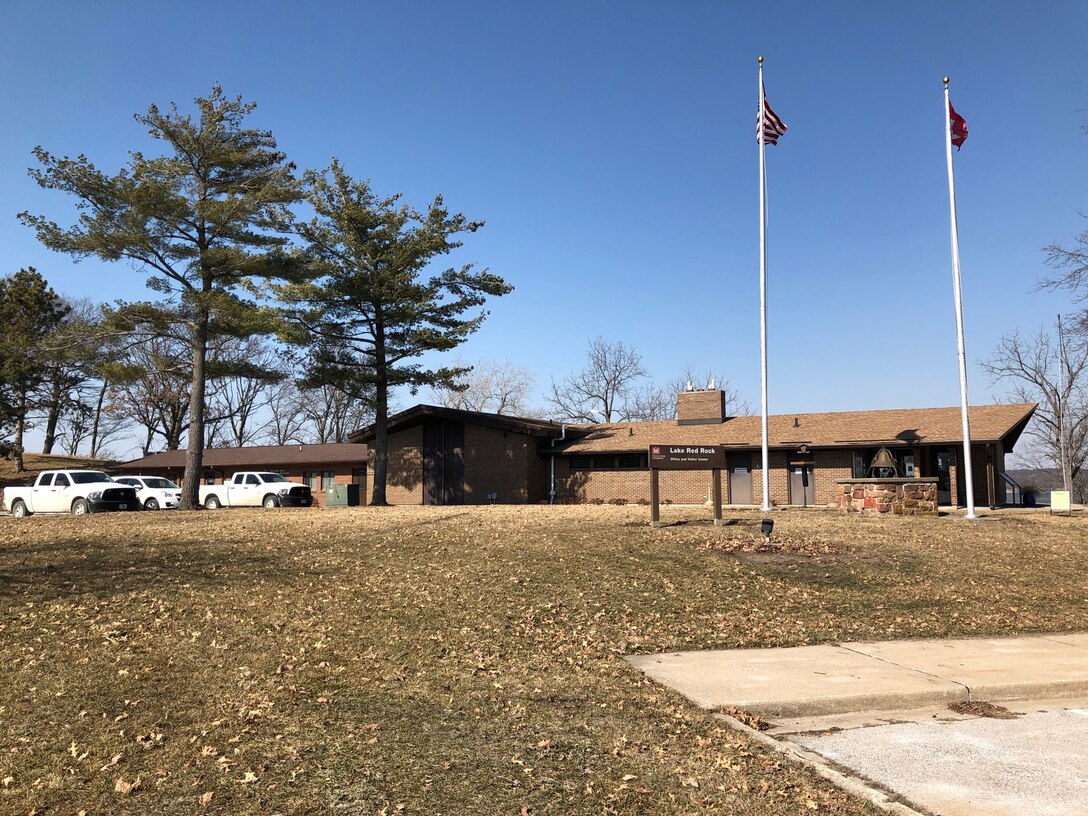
<point x="116" y="758"/>
<point x="249" y="777"/>
<point x="206" y="797"/>
<point x="124" y="788"/>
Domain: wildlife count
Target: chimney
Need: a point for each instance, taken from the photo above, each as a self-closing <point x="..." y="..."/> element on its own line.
<point x="700" y="407"/>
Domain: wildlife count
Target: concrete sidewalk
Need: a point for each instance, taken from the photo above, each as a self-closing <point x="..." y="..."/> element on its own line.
<point x="820" y="680"/>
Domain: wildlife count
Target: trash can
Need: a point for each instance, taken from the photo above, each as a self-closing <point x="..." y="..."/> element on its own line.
<point x="342" y="496"/>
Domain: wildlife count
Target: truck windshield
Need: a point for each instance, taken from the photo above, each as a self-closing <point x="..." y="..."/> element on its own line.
<point x="89" y="477"/>
<point x="272" y="477"/>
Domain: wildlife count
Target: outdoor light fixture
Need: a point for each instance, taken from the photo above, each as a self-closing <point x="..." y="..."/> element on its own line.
<point x="765" y="527"/>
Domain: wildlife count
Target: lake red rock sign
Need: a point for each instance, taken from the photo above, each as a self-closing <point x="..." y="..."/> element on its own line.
<point x="686" y="457"/>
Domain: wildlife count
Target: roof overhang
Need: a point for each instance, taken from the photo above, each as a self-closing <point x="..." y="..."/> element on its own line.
<point x="419" y="414"/>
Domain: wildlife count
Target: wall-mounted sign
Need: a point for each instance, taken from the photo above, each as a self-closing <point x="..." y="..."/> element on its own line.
<point x="687" y="457"/>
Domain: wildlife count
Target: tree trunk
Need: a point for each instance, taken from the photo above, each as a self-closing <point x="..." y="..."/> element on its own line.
<point x="381" y="442"/>
<point x="194" y="454"/>
<point x="20" y="427"/>
<point x="54" y="415"/>
<point x="98" y="418"/>
<point x="381" y="419"/>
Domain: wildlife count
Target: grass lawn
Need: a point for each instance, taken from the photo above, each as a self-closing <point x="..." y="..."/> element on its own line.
<point x="457" y="660"/>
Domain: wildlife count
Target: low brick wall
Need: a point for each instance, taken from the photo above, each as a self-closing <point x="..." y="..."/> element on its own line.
<point x="900" y="496"/>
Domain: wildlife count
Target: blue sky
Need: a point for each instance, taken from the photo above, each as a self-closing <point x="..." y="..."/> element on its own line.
<point x="610" y="148"/>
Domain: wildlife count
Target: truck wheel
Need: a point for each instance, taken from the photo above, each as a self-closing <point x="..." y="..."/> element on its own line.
<point x="151" y="504"/>
<point x="270" y="501"/>
<point x="80" y="508"/>
<point x="212" y="503"/>
<point x="18" y="509"/>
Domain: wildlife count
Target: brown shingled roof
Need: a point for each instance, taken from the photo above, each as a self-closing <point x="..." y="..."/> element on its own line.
<point x="256" y="456"/>
<point x="907" y="426"/>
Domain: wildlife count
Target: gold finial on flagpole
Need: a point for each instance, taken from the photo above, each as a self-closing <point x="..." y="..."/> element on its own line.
<point x="946" y="81"/>
<point x="760" y="60"/>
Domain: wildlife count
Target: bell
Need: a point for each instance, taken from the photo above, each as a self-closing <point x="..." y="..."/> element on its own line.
<point x="884" y="460"/>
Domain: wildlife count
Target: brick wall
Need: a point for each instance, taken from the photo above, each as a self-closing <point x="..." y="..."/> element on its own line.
<point x="980" y="458"/>
<point x="694" y="486"/>
<point x="404" y="480"/>
<point x="700" y="405"/>
<point x="677" y="486"/>
<point x="499" y="462"/>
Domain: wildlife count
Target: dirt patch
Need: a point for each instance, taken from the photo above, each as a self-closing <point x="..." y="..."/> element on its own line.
<point x="981" y="708"/>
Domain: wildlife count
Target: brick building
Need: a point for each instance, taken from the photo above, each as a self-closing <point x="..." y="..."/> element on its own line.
<point x="446" y="456"/>
<point x="319" y="466"/>
<point x="449" y="456"/>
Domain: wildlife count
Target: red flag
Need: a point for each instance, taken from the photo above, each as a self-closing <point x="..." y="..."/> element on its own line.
<point x="959" y="127"/>
<point x="772" y="127"/>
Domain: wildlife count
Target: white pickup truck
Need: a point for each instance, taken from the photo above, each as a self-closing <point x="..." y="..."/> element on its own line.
<point x="70" y="491"/>
<point x="256" y="489"/>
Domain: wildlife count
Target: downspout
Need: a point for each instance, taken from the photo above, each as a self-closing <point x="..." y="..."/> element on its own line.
<point x="562" y="436"/>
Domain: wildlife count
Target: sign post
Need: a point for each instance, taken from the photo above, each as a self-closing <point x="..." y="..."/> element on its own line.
<point x="685" y="457"/>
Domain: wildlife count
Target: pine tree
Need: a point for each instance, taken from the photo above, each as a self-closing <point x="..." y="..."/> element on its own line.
<point x="374" y="310"/>
<point x="29" y="312"/>
<point x="205" y="221"/>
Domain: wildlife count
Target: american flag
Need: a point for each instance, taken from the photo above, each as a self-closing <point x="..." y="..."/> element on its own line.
<point x="772" y="127"/>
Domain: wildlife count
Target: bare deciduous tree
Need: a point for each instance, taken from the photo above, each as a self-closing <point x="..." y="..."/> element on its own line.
<point x="1057" y="379"/>
<point x="150" y="387"/>
<point x="332" y="414"/>
<point x="602" y="390"/>
<point x="1071" y="266"/>
<point x="735" y="404"/>
<point x="241" y="391"/>
<point x="286" y="415"/>
<point x="498" y="387"/>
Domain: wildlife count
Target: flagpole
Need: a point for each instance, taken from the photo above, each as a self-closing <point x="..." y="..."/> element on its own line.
<point x="1062" y="363"/>
<point x="763" y="289"/>
<point x="968" y="474"/>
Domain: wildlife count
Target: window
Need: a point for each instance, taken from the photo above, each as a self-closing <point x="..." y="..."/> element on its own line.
<point x="61" y="481"/>
<point x="46" y="480"/>
<point x="209" y="478"/>
<point x="252" y="479"/>
<point x="358" y="476"/>
<point x="328" y="479"/>
<point x="623" y="461"/>
<point x="310" y="477"/>
<point x="904" y="459"/>
<point x="90" y="477"/>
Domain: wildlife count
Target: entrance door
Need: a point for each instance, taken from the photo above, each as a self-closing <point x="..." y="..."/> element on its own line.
<point x="802" y="485"/>
<point x="944" y="482"/>
<point x="443" y="462"/>
<point x="740" y="478"/>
